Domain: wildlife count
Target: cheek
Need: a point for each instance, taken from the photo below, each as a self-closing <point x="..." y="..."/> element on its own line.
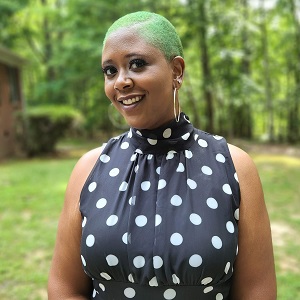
<point x="109" y="90"/>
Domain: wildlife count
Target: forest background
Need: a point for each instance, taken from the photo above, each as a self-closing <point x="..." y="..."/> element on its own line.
<point x="242" y="60"/>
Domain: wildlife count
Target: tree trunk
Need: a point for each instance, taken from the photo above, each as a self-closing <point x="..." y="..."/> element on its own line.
<point x="267" y="79"/>
<point x="206" y="70"/>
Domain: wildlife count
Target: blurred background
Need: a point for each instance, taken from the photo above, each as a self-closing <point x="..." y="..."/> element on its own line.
<point x="242" y="81"/>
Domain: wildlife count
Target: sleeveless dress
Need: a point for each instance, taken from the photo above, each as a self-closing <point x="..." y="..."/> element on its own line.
<point x="160" y="216"/>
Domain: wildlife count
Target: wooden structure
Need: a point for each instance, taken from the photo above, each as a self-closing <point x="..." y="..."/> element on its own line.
<point x="11" y="100"/>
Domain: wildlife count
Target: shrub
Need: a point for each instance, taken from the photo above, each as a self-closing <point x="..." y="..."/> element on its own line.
<point x="40" y="128"/>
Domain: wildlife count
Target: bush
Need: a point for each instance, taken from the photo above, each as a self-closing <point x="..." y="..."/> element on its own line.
<point x="40" y="128"/>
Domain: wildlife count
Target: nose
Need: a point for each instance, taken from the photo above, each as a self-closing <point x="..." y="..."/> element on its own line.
<point x="123" y="81"/>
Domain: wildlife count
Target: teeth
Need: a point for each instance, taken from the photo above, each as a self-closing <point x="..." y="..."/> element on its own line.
<point x="132" y="100"/>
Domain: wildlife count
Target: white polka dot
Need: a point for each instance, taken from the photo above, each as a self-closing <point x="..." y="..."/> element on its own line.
<point x="196" y="136"/>
<point x="150" y="156"/>
<point x="130" y="278"/>
<point x="123" y="186"/>
<point x="169" y="294"/>
<point x="230" y="227"/>
<point x="83" y="260"/>
<point x="206" y="280"/>
<point x="161" y="184"/>
<point x="133" y="157"/>
<point x="129" y="133"/>
<point x="92" y="186"/>
<point x="102" y="287"/>
<point x="90" y="240"/>
<point x="195" y="261"/>
<point x="157" y="262"/>
<point x="227" y="189"/>
<point x="138" y="132"/>
<point x="175" y="279"/>
<point x="216" y="242"/>
<point x="217" y="137"/>
<point x="195" y="219"/>
<point x="220" y="158"/>
<point x="191" y="183"/>
<point x="152" y="142"/>
<point x="105" y="276"/>
<point x="202" y="143"/>
<point x="129" y="292"/>
<point x="125" y="238"/>
<point x="145" y="185"/>
<point x="170" y="154"/>
<point x="236" y="177"/>
<point x="212" y="203"/>
<point x="101" y="203"/>
<point x="139" y="151"/>
<point x="112" y="220"/>
<point x="114" y="172"/>
<point x="132" y="200"/>
<point x="219" y="296"/>
<point x="176" y="239"/>
<point x="186" y="136"/>
<point x="188" y="154"/>
<point x="83" y="221"/>
<point x="176" y="200"/>
<point x="104" y="158"/>
<point x="141" y="220"/>
<point x="94" y="293"/>
<point x="180" y="168"/>
<point x="206" y="170"/>
<point x="227" y="267"/>
<point x="136" y="168"/>
<point x="167" y="133"/>
<point x="124" y="145"/>
<point x="112" y="260"/>
<point x="208" y="289"/>
<point x="158" y="170"/>
<point x="158" y="219"/>
<point x="139" y="261"/>
<point x="153" y="281"/>
<point x="237" y="214"/>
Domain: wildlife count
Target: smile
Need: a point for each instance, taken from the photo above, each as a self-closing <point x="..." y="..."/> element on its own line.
<point x="132" y="100"/>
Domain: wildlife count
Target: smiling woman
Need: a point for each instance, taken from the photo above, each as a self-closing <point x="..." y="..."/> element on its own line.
<point x="165" y="210"/>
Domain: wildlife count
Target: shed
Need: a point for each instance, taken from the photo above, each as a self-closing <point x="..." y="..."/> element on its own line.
<point x="11" y="100"/>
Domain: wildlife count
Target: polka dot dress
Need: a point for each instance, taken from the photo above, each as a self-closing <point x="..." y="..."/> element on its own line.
<point x="160" y="213"/>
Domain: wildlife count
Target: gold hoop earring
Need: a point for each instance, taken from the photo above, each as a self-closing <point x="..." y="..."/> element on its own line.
<point x="177" y="117"/>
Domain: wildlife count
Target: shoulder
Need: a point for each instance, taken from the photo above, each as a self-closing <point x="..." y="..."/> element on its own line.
<point x="80" y="173"/>
<point x="243" y="163"/>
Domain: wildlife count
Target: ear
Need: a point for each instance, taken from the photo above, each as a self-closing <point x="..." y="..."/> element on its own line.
<point x="178" y="66"/>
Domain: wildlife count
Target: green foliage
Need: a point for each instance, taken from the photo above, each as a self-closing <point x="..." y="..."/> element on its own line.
<point x="40" y="128"/>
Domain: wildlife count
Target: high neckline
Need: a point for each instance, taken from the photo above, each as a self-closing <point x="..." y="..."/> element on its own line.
<point x="174" y="136"/>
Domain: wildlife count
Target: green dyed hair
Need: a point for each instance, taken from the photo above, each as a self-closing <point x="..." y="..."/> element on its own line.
<point x="154" y="29"/>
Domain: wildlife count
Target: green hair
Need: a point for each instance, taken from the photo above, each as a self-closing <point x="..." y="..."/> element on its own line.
<point x="154" y="29"/>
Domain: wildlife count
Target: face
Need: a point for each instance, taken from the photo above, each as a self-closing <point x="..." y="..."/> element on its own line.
<point x="138" y="80"/>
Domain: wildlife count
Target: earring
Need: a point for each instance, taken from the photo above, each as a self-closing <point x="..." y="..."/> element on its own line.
<point x="177" y="117"/>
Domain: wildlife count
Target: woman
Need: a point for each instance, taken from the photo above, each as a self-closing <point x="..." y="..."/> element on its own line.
<point x="164" y="211"/>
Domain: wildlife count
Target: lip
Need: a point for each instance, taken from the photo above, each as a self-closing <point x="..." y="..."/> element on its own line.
<point x="130" y="100"/>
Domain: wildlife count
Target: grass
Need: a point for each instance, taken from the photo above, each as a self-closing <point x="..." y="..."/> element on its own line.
<point x="31" y="197"/>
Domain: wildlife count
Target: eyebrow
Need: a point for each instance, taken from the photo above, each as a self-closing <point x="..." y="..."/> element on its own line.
<point x="129" y="55"/>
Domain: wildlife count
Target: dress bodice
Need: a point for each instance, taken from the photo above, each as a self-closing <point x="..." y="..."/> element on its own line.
<point x="160" y="215"/>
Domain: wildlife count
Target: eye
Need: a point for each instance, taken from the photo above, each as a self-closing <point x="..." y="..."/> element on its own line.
<point x="109" y="70"/>
<point x="137" y="63"/>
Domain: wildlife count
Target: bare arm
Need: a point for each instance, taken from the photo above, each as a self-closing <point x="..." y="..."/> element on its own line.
<point x="67" y="279"/>
<point x="254" y="271"/>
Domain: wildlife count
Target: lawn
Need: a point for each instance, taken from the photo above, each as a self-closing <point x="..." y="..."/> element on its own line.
<point x="31" y="196"/>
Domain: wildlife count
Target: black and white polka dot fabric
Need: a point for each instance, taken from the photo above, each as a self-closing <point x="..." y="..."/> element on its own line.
<point x="160" y="213"/>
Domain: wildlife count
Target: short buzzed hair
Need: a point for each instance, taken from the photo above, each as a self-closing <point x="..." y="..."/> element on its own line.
<point x="154" y="29"/>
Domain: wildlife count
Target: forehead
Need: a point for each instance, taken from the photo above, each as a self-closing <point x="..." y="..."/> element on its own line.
<point x="125" y="41"/>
